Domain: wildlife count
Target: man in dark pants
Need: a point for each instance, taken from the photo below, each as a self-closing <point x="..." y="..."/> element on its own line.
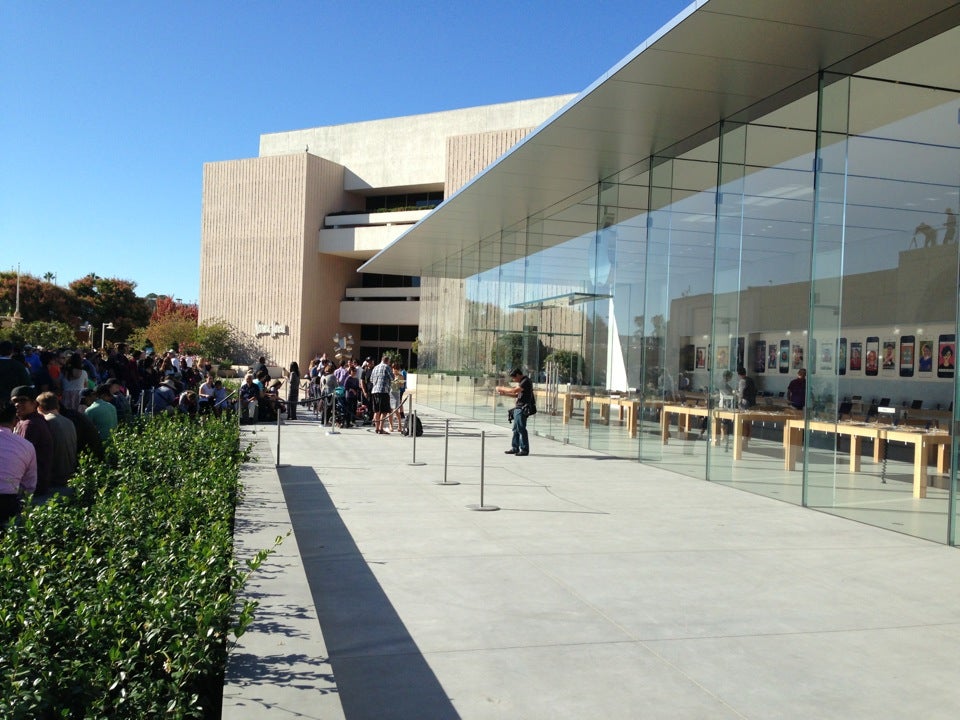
<point x="523" y="392"/>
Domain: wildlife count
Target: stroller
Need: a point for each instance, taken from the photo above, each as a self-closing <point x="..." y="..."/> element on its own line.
<point x="363" y="416"/>
<point x="335" y="409"/>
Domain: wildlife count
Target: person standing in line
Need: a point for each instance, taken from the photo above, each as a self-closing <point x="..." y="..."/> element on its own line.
<point x="103" y="412"/>
<point x="398" y="385"/>
<point x="18" y="458"/>
<point x="380" y="380"/>
<point x="293" y="390"/>
<point x="523" y="392"/>
<point x="366" y="388"/>
<point x="351" y="396"/>
<point x="64" y="434"/>
<point x="32" y="426"/>
<point x="12" y="372"/>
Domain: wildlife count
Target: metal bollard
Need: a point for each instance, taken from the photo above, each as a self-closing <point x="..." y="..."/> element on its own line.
<point x="278" y="441"/>
<point x="446" y="453"/>
<point x="412" y="425"/>
<point x="482" y="506"/>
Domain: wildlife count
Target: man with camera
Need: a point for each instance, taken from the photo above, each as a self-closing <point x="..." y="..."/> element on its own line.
<point x="525" y="406"/>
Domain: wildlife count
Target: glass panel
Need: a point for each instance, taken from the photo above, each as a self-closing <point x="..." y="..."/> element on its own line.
<point x="821" y="237"/>
<point x="557" y="306"/>
<point x="886" y="290"/>
<point x="760" y="321"/>
<point x="676" y="321"/>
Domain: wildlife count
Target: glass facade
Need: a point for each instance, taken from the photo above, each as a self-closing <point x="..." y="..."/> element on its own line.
<point x="819" y="236"/>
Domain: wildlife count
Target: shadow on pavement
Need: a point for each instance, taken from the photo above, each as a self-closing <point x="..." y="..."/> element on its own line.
<point x="379" y="670"/>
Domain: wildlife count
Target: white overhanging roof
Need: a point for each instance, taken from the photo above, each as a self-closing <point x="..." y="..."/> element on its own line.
<point x="716" y="59"/>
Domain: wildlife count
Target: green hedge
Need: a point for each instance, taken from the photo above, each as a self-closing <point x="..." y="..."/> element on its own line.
<point x="121" y="602"/>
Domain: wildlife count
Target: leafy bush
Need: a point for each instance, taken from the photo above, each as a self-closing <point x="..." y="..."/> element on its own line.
<point x="120" y="602"/>
<point x="50" y="335"/>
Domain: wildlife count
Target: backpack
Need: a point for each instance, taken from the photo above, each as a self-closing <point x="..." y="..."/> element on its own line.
<point x="406" y="426"/>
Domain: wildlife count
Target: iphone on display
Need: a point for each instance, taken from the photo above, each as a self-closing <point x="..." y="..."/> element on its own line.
<point x="784" y="356"/>
<point x="907" y="345"/>
<point x="946" y="356"/>
<point x="871" y="361"/>
<point x="842" y="357"/>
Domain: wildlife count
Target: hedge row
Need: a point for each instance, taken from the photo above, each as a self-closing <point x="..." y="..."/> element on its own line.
<point x="121" y="601"/>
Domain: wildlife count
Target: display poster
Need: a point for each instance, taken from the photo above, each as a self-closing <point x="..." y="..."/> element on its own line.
<point x="946" y="356"/>
<point x="826" y="357"/>
<point x="760" y="356"/>
<point x="797" y="361"/>
<point x="856" y="356"/>
<point x="772" y="356"/>
<point x="889" y="356"/>
<point x="925" y="356"/>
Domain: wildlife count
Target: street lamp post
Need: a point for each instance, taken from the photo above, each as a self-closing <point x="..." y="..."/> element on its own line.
<point x="88" y="329"/>
<point x="103" y="333"/>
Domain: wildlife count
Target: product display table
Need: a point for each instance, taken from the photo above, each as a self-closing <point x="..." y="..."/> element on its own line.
<point x="857" y="431"/>
<point x="685" y="414"/>
<point x="741" y="418"/>
<point x="923" y="442"/>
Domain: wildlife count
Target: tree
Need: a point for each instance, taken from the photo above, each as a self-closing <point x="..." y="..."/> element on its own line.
<point x="170" y="332"/>
<point x="218" y="341"/>
<point x="49" y="335"/>
<point x="103" y="300"/>
<point x="165" y="306"/>
<point x="510" y="351"/>
<point x="39" y="301"/>
<point x="570" y="365"/>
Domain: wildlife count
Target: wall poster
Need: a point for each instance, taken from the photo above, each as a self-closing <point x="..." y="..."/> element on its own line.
<point x="889" y="356"/>
<point x="760" y="356"/>
<point x="856" y="356"/>
<point x="925" y="356"/>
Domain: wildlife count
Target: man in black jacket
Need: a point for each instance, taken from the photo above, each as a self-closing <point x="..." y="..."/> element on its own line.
<point x="523" y="392"/>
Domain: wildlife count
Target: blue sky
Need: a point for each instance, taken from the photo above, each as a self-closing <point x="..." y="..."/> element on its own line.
<point x="110" y="109"/>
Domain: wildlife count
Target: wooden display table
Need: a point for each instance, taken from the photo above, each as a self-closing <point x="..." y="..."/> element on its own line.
<point x="857" y="431"/>
<point x="923" y="442"/>
<point x="684" y="414"/>
<point x="740" y="418"/>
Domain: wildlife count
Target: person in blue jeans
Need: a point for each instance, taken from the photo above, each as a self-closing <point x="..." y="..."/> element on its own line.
<point x="523" y="392"/>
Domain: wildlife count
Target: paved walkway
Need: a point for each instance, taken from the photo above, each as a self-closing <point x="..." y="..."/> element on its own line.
<point x="600" y="589"/>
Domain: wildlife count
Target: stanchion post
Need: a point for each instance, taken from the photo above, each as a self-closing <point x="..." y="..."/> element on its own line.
<point x="446" y="453"/>
<point x="279" y="465"/>
<point x="412" y="426"/>
<point x="482" y="506"/>
<point x="333" y="416"/>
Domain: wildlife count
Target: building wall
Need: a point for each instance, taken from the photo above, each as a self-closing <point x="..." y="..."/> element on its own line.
<point x="406" y="152"/>
<point x="259" y="261"/>
<point x="467" y="155"/>
<point x="261" y="251"/>
<point x="325" y="276"/>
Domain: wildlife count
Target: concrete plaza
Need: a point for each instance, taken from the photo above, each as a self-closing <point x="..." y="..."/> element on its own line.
<point x="601" y="588"/>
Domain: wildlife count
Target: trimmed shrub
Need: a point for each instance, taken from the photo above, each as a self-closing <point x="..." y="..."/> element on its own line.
<point x="120" y="602"/>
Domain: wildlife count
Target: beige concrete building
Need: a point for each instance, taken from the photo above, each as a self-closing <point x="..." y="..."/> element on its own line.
<point x="283" y="234"/>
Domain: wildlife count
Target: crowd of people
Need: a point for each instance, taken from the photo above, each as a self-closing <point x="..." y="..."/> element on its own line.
<point x="55" y="405"/>
<point x="349" y="394"/>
